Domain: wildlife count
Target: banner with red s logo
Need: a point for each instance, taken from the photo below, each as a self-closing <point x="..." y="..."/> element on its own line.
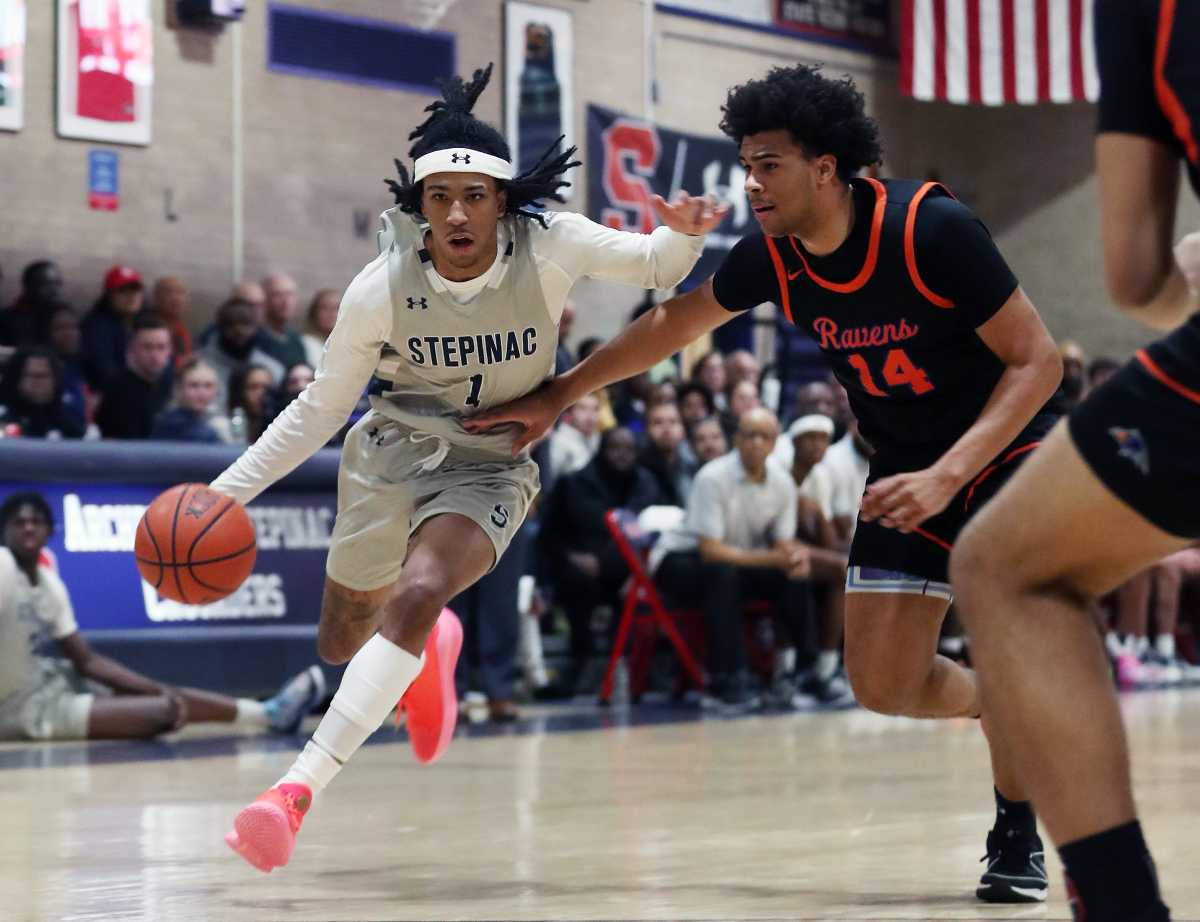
<point x="629" y="160"/>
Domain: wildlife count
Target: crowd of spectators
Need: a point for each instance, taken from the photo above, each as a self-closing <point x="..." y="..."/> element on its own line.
<point x="760" y="533"/>
<point x="129" y="368"/>
<point x="766" y="496"/>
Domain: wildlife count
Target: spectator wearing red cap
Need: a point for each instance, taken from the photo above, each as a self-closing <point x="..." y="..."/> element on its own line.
<point x="106" y="327"/>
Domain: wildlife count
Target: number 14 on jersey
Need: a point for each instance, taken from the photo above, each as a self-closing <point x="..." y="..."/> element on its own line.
<point x="898" y="371"/>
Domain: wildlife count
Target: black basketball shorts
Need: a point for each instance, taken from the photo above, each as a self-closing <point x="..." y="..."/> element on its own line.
<point x="882" y="558"/>
<point x="1139" y="432"/>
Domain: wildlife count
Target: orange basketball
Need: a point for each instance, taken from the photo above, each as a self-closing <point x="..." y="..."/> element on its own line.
<point x="195" y="545"/>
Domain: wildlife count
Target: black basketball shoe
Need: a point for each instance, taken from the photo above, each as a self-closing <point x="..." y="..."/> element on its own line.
<point x="1016" y="868"/>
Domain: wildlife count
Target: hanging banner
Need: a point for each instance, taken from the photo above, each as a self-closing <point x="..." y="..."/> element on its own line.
<point x="105" y="70"/>
<point x="864" y="24"/>
<point x="629" y="160"/>
<point x="12" y="65"/>
<point x="539" y="61"/>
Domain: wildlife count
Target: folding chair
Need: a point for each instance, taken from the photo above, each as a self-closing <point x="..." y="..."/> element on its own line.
<point x="643" y="609"/>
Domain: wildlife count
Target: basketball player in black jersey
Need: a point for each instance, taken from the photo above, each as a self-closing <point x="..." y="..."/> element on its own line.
<point x="946" y="362"/>
<point x="1113" y="490"/>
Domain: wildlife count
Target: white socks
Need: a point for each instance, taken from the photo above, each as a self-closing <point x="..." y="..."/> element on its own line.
<point x="1164" y="644"/>
<point x="785" y="661"/>
<point x="376" y="679"/>
<point x="1114" y="644"/>
<point x="251" y="714"/>
<point x="827" y="664"/>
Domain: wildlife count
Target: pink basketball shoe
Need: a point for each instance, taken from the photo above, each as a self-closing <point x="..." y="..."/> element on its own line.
<point x="431" y="702"/>
<point x="1130" y="672"/>
<point x="264" y="833"/>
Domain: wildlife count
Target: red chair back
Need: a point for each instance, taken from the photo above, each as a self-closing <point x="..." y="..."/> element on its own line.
<point x="633" y="544"/>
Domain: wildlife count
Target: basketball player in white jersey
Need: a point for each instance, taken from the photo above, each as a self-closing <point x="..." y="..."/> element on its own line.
<point x="458" y="313"/>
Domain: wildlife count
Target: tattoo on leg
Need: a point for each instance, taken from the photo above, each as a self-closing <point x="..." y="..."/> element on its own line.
<point x="349" y="621"/>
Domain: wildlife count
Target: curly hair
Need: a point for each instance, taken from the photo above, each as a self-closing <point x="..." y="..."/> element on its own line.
<point x="451" y="124"/>
<point x="824" y="116"/>
<point x="14" y="501"/>
<point x="695" y="387"/>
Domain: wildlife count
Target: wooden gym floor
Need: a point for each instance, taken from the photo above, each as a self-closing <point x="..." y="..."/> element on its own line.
<point x="577" y="814"/>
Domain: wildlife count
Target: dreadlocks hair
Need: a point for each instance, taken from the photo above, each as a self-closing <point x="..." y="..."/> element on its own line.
<point x="823" y="116"/>
<point x="451" y="124"/>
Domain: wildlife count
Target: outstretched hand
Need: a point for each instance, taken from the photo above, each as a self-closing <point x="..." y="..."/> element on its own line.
<point x="690" y="214"/>
<point x="535" y="413"/>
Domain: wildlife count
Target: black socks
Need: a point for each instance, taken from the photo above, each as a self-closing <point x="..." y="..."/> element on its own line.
<point x="1015" y="815"/>
<point x="1111" y="877"/>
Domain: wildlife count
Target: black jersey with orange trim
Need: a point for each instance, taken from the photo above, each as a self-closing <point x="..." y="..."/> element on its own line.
<point x="1148" y="55"/>
<point x="894" y="309"/>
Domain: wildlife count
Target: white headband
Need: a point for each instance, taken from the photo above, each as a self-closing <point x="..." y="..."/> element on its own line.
<point x="813" y="422"/>
<point x="461" y="160"/>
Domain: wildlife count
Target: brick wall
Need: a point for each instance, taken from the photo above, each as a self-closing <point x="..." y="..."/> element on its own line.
<point x="316" y="151"/>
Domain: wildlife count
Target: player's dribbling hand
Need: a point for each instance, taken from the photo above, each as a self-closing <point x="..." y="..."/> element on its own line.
<point x="1187" y="254"/>
<point x="535" y="413"/>
<point x="690" y="214"/>
<point x="904" y="501"/>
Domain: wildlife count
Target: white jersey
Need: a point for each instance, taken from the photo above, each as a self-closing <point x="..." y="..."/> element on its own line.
<point x="32" y="618"/>
<point x="446" y="360"/>
<point x="375" y="331"/>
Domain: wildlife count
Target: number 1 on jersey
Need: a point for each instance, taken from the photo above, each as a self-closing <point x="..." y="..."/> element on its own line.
<point x="476" y="385"/>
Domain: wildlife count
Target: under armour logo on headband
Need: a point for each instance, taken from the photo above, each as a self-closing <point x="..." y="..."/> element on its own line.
<point x="461" y="160"/>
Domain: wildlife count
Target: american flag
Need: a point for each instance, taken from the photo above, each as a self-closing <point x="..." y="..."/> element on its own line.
<point x="992" y="52"/>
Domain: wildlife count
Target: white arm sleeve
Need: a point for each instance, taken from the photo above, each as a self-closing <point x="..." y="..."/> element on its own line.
<point x="580" y="247"/>
<point x="351" y="355"/>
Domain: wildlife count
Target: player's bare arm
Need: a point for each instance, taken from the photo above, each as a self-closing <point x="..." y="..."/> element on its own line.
<point x="654" y="336"/>
<point x="104" y="669"/>
<point x="1139" y="189"/>
<point x="1033" y="371"/>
